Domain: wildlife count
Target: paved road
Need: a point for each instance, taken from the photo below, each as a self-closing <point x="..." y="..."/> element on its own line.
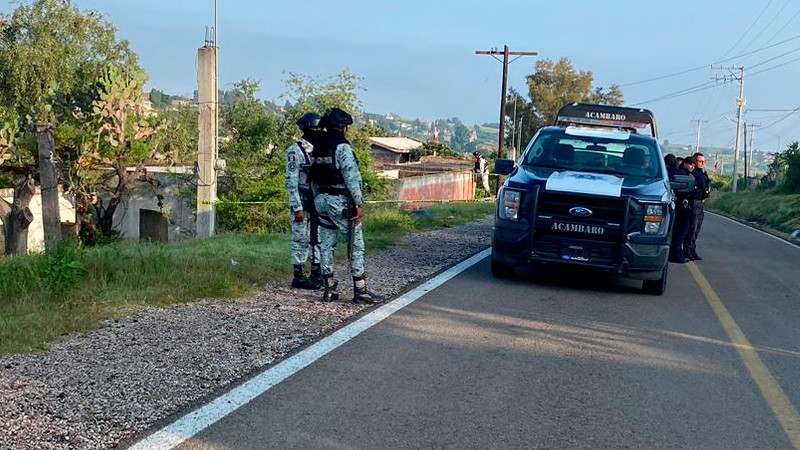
<point x="556" y="359"/>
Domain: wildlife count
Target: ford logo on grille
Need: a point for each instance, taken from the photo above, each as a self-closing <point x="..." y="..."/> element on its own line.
<point x="580" y="211"/>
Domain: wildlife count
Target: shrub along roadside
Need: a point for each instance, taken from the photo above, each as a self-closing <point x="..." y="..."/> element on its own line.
<point x="44" y="297"/>
<point x="767" y="207"/>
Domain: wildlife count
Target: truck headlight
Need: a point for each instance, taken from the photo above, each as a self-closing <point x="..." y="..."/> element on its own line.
<point x="653" y="217"/>
<point x="509" y="205"/>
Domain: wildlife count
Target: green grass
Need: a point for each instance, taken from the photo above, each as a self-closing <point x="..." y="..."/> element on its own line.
<point x="44" y="297"/>
<point x="767" y="207"/>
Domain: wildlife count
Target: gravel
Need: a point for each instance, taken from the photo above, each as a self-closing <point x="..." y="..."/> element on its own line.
<point x="92" y="391"/>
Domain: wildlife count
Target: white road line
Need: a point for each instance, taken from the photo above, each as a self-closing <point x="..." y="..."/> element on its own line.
<point x="196" y="421"/>
<point x="756" y="230"/>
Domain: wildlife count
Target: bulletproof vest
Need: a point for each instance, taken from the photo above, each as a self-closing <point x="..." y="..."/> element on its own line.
<point x="477" y="167"/>
<point x="323" y="170"/>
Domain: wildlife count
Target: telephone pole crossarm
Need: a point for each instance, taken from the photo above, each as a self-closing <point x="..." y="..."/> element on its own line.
<point x="506" y="52"/>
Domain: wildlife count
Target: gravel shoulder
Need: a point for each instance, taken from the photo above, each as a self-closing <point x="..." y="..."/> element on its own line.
<point x="95" y="390"/>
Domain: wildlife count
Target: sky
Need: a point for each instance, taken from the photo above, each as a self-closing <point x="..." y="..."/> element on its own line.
<point x="417" y="58"/>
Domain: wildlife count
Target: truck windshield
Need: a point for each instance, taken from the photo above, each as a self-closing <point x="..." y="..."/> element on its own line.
<point x="622" y="154"/>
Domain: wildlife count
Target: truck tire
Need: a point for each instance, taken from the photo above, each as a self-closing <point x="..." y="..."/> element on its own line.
<point x="656" y="287"/>
<point x="501" y="270"/>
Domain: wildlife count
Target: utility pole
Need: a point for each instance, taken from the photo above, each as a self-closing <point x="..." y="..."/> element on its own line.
<point x="207" y="161"/>
<point x="506" y="53"/>
<point x="745" y="155"/>
<point x="697" y="145"/>
<point x="514" y="128"/>
<point x="740" y="103"/>
<point x="752" y="139"/>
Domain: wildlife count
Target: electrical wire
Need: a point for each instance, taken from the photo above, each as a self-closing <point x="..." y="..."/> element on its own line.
<point x="774" y="67"/>
<point x="783" y="27"/>
<point x="694" y="69"/>
<point x="680" y="93"/>
<point x="749" y="28"/>
<point x="766" y="27"/>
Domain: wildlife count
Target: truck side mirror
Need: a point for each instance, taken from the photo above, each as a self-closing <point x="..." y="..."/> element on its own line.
<point x="682" y="183"/>
<point x="503" y="166"/>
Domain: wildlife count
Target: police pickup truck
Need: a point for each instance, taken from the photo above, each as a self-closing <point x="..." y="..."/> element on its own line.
<point x="592" y="191"/>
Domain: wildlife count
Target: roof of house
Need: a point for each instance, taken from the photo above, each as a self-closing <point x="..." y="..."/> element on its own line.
<point x="396" y="144"/>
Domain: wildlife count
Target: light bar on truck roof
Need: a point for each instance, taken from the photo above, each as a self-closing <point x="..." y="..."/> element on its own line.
<point x="633" y="119"/>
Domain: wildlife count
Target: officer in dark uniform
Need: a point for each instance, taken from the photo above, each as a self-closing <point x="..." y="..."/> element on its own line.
<point x="702" y="185"/>
<point x="683" y="213"/>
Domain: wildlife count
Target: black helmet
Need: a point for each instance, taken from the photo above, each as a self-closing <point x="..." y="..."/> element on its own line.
<point x="476" y="153"/>
<point x="336" y="118"/>
<point x="309" y="120"/>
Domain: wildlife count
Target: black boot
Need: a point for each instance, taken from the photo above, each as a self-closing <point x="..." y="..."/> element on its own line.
<point x="316" y="274"/>
<point x="363" y="295"/>
<point x="330" y="285"/>
<point x="688" y="256"/>
<point x="695" y="256"/>
<point x="300" y="281"/>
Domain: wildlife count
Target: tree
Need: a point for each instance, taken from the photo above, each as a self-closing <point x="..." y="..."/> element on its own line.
<point x="52" y="50"/>
<point x="788" y="163"/>
<point x="256" y="142"/>
<point x="51" y="54"/>
<point x="460" y="138"/>
<point x="551" y="86"/>
<point x="555" y="84"/>
<point x="612" y="97"/>
<point x="122" y="137"/>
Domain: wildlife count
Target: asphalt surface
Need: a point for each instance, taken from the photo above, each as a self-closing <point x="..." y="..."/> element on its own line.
<point x="553" y="359"/>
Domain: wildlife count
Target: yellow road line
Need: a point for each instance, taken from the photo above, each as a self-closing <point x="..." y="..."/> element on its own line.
<point x="770" y="389"/>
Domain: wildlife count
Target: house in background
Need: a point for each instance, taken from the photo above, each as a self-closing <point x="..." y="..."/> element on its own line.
<point x="392" y="150"/>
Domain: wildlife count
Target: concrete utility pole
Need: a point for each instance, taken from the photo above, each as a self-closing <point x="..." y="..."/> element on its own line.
<point x="506" y="53"/>
<point x="752" y="140"/>
<point x="740" y="103"/>
<point x="697" y="145"/>
<point x="207" y="92"/>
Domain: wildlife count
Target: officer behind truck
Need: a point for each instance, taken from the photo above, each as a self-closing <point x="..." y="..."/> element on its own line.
<point x="301" y="202"/>
<point x="340" y="203"/>
<point x="702" y="190"/>
<point x="481" y="170"/>
<point x="683" y="213"/>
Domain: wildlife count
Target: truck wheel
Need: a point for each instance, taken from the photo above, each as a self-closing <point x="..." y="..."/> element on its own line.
<point x="656" y="287"/>
<point x="501" y="270"/>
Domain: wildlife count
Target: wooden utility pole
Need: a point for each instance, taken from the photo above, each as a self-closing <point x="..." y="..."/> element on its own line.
<point x="49" y="184"/>
<point x="506" y="53"/>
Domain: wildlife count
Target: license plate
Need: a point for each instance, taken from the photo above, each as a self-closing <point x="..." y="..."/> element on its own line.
<point x="575" y="253"/>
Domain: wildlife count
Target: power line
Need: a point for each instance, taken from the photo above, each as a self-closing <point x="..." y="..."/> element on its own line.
<point x="693" y="69"/>
<point x="775" y="67"/>
<point x="783" y="27"/>
<point x="766" y="27"/>
<point x="749" y="28"/>
<point x="775" y="57"/>
<point x="782" y="118"/>
<point x="680" y="93"/>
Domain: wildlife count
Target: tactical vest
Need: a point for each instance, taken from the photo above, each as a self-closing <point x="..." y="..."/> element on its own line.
<point x="324" y="172"/>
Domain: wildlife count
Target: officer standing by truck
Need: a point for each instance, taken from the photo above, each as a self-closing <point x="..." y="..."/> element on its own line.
<point x="702" y="185"/>
<point x="683" y="214"/>
<point x="339" y="200"/>
<point x="301" y="202"/>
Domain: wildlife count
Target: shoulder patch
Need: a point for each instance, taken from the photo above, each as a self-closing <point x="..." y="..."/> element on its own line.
<point x="292" y="166"/>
